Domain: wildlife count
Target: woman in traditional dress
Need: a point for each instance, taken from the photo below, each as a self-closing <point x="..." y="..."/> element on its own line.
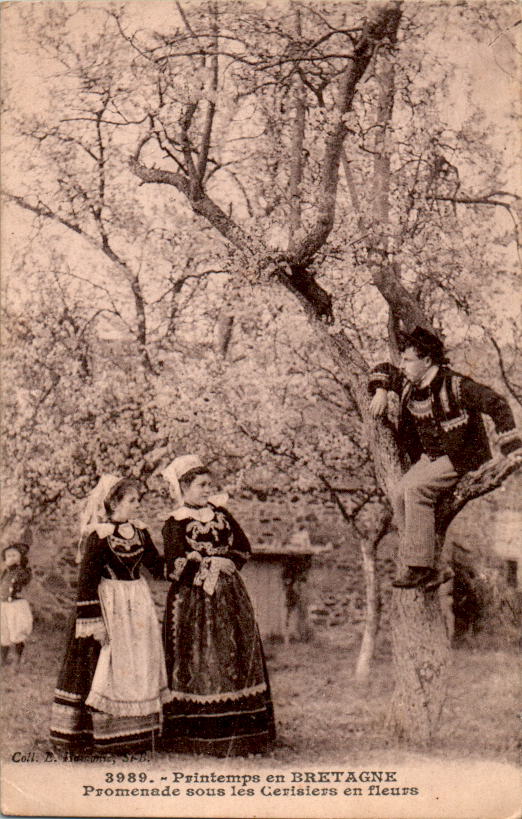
<point x="220" y="696"/>
<point x="113" y="680"/>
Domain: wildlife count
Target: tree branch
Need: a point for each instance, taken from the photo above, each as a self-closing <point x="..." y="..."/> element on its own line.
<point x="200" y="203"/>
<point x="486" y="201"/>
<point x="386" y="278"/>
<point x="47" y="213"/>
<point x="505" y="377"/>
<point x="211" y="105"/>
<point x="382" y="24"/>
<point x="296" y="155"/>
<point x="473" y="485"/>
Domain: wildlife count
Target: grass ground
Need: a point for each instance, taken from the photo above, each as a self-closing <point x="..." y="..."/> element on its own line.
<point x="319" y="710"/>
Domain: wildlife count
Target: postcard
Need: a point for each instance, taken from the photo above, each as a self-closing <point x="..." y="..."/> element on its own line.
<point x="262" y="409"/>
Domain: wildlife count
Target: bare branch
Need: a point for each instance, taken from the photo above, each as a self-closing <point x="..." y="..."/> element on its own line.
<point x="473" y="485"/>
<point x="42" y="210"/>
<point x="508" y="383"/>
<point x="380" y="26"/>
<point x="211" y="105"/>
<point x="296" y="155"/>
<point x="200" y="202"/>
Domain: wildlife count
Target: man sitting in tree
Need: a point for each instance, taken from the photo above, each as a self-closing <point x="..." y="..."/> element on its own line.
<point x="441" y="430"/>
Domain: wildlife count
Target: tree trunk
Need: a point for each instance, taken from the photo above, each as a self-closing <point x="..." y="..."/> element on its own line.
<point x="372" y="613"/>
<point x="419" y="639"/>
<point x="420" y="644"/>
<point x="421" y="658"/>
<point x="368" y="547"/>
<point x="373" y="601"/>
<point x="296" y="157"/>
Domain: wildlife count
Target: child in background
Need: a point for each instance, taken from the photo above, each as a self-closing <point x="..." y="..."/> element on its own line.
<point x="16" y="616"/>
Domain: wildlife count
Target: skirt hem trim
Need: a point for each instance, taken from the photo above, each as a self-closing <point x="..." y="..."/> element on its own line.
<point x="221" y="697"/>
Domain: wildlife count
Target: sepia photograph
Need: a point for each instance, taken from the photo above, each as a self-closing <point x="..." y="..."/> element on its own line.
<point x="261" y="327"/>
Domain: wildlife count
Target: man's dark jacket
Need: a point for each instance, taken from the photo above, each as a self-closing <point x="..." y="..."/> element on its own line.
<point x="457" y="403"/>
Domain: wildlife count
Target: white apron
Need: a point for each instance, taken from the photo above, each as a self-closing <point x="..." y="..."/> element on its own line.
<point x="130" y="677"/>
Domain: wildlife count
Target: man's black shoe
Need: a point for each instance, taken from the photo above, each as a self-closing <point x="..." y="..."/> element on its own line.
<point x="442" y="576"/>
<point x="414" y="576"/>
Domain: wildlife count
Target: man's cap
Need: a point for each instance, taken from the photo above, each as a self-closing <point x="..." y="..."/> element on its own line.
<point x="428" y="344"/>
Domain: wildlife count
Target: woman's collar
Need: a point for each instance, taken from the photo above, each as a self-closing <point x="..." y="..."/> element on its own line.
<point x="106" y="529"/>
<point x="202" y="513"/>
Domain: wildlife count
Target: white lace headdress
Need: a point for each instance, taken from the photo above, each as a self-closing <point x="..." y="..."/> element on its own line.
<point x="175" y="471"/>
<point x="94" y="511"/>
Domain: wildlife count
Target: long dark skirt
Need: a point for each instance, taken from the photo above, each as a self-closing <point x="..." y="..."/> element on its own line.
<point x="79" y="729"/>
<point x="221" y="703"/>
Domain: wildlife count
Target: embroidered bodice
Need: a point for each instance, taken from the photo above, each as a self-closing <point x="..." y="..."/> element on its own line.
<point x="123" y="557"/>
<point x="222" y="536"/>
<point x="212" y="538"/>
<point x="113" y="557"/>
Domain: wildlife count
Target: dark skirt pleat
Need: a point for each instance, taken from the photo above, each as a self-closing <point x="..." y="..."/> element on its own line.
<point x="216" y="671"/>
<point x="79" y="729"/>
<point x="71" y="721"/>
